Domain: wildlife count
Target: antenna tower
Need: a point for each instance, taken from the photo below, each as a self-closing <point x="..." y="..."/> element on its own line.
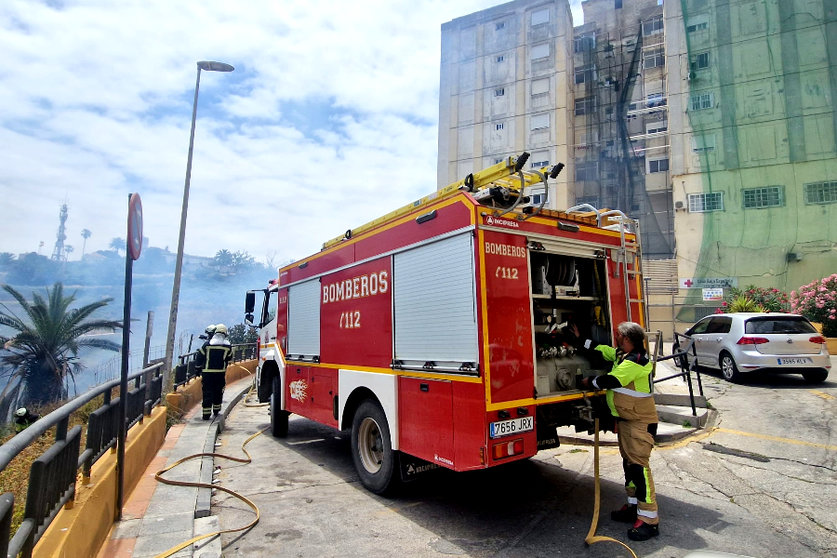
<point x="58" y="252"/>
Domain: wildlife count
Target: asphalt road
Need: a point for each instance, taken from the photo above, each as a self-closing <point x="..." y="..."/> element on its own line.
<point x="761" y="484"/>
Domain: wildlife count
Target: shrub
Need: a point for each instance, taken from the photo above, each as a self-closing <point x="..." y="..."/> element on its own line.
<point x="817" y="301"/>
<point x="771" y="300"/>
<point x="739" y="304"/>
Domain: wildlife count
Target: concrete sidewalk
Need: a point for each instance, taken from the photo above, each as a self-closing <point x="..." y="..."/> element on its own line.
<point x="157" y="516"/>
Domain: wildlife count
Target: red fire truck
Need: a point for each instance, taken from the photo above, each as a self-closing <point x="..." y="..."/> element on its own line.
<point x="437" y="333"/>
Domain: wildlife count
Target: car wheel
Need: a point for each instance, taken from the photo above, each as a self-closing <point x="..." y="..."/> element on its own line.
<point x="816" y="376"/>
<point x="372" y="451"/>
<point x="729" y="369"/>
<point x="278" y="417"/>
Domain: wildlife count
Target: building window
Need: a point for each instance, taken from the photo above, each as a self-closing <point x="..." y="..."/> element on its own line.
<point x="584" y="43"/>
<point x="500" y="58"/>
<point x="540" y="17"/>
<point x="655" y="58"/>
<point x="657" y="165"/>
<point x="701" y="203"/>
<point x="699" y="61"/>
<point x="539" y="121"/>
<point x="697" y="23"/>
<point x="655" y="100"/>
<point x="500" y="91"/>
<point x="617" y="4"/>
<point x="540" y="164"/>
<point x="821" y="192"/>
<point x="702" y="101"/>
<point x="540" y="86"/>
<point x="536" y="199"/>
<point x="539" y="51"/>
<point x="703" y="143"/>
<point x="656" y="127"/>
<point x="584" y="106"/>
<point x="652" y="26"/>
<point x="769" y="196"/>
<point x="587" y="171"/>
<point x="499" y="126"/>
<point x="584" y="74"/>
<point x="498" y="26"/>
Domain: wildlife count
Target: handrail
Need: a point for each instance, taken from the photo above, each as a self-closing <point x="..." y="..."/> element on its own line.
<point x="19" y="442"/>
<point x="686" y="368"/>
<point x="52" y="477"/>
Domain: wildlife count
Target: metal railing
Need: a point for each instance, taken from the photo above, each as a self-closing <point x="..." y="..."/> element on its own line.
<point x="683" y="344"/>
<point x="186" y="370"/>
<point x="52" y="478"/>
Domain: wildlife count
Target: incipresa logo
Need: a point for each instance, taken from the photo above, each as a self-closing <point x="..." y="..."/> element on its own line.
<point x="491" y="220"/>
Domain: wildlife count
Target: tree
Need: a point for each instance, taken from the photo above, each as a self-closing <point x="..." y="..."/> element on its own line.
<point x="85" y="234"/>
<point x="117" y="244"/>
<point x="44" y="350"/>
<point x="242" y="333"/>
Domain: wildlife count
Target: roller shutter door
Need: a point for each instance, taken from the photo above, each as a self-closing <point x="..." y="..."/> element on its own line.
<point x="434" y="302"/>
<point x="304" y="318"/>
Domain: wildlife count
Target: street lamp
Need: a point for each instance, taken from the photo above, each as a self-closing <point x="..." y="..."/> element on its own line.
<point x="209" y="66"/>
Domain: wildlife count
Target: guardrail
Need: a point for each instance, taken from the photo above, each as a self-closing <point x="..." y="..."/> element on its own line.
<point x="52" y="478"/>
<point x="186" y="369"/>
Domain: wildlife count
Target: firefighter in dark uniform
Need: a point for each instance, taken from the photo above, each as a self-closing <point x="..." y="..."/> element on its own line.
<point x="631" y="403"/>
<point x="212" y="359"/>
<point x="24" y="418"/>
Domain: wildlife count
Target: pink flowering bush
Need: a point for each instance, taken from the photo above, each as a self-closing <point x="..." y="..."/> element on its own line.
<point x="817" y="301"/>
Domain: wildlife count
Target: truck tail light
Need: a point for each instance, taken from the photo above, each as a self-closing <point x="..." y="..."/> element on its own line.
<point x="507" y="449"/>
<point x="817" y="339"/>
<point x="752" y="340"/>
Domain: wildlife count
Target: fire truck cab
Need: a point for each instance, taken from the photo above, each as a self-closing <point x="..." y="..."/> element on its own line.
<point x="441" y="333"/>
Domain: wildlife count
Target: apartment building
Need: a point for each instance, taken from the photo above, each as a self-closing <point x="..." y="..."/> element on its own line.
<point x="710" y="121"/>
<point x="505" y="88"/>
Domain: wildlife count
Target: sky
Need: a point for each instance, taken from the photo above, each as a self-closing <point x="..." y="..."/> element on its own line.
<point x="328" y="121"/>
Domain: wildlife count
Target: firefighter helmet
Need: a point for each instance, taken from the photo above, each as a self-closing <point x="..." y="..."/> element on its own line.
<point x="210" y="329"/>
<point x="221" y="328"/>
<point x="21" y="412"/>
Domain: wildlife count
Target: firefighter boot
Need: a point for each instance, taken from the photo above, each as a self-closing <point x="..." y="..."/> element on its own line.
<point x="642" y="531"/>
<point x="625" y="514"/>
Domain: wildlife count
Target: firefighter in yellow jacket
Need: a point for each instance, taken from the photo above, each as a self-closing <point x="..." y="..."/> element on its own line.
<point x="631" y="403"/>
<point x="212" y="359"/>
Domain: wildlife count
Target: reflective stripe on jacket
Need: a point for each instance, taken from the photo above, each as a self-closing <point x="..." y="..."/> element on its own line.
<point x="214" y="358"/>
<point x="633" y="400"/>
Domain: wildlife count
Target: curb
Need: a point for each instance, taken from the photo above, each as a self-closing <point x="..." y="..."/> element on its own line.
<point x="204" y="497"/>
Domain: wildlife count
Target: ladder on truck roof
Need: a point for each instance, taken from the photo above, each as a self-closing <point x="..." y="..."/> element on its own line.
<point x="506" y="180"/>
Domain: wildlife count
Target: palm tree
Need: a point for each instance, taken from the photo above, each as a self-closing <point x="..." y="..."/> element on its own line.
<point x="85" y="234"/>
<point x="117" y="244"/>
<point x="44" y="350"/>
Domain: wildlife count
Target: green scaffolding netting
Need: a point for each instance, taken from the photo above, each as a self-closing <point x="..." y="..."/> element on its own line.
<point x="760" y="103"/>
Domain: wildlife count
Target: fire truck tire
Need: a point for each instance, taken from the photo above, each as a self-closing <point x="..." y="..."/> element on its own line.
<point x="372" y="451"/>
<point x="278" y="417"/>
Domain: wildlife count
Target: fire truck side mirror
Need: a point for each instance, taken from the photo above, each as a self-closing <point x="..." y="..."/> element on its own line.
<point x="248" y="319"/>
<point x="249" y="303"/>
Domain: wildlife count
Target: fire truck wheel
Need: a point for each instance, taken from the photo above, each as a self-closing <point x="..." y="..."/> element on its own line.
<point x="278" y="417"/>
<point x="372" y="449"/>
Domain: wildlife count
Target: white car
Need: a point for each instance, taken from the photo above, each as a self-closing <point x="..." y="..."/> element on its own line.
<point x="744" y="342"/>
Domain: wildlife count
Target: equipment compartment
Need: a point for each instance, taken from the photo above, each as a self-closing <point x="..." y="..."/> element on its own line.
<point x="566" y="290"/>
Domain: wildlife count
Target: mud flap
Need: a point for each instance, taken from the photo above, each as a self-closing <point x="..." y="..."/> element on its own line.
<point x="412" y="468"/>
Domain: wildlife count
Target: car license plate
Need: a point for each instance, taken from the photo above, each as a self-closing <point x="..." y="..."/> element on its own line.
<point x="513" y="426"/>
<point x="796" y="360"/>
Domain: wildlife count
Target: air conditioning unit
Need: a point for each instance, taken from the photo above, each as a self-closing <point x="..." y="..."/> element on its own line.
<point x="678" y="205"/>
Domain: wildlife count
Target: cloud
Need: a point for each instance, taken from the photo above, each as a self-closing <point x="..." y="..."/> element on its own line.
<point x="328" y="121"/>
